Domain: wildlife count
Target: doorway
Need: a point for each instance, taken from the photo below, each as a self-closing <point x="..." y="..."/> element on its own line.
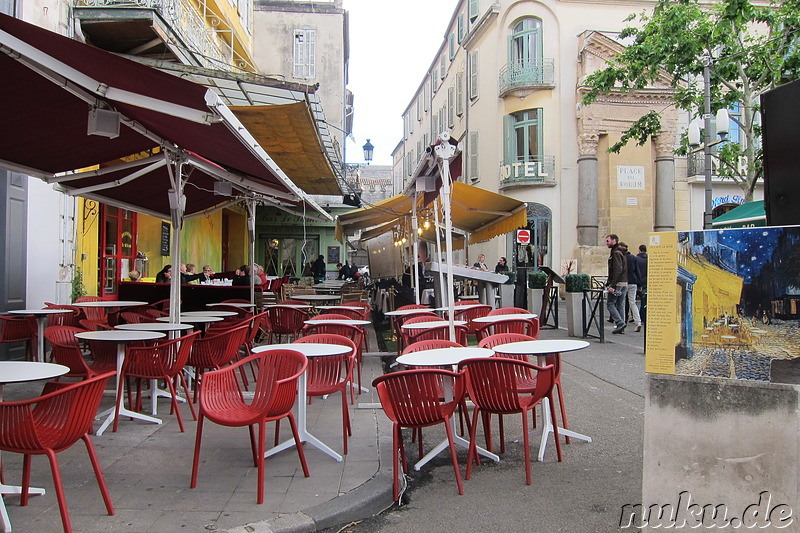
<point x="117" y="248"/>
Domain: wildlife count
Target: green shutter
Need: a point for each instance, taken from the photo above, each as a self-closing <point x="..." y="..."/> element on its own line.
<point x="509" y="139"/>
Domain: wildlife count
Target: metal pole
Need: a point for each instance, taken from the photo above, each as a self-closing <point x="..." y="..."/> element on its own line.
<point x="251" y="234"/>
<point x="445" y="151"/>
<point x="709" y="138"/>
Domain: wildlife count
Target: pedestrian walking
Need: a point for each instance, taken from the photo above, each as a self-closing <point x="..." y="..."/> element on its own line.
<point x="634" y="281"/>
<point x="617" y="282"/>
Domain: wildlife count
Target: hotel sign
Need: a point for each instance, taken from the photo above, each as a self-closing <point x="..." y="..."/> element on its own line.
<point x="522" y="170"/>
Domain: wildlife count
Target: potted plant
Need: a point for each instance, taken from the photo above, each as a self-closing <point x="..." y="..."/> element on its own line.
<point x="575" y="285"/>
<point x="537" y="279"/>
<point x="577" y="282"/>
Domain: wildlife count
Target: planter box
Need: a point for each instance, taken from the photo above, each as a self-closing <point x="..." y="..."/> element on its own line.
<point x="574" y="314"/>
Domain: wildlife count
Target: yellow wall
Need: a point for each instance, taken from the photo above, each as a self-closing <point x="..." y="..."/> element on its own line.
<point x="88" y="236"/>
<point x="716" y="292"/>
<point x="201" y="241"/>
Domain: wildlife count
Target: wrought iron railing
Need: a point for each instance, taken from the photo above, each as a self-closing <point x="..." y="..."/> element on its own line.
<point x="527" y="74"/>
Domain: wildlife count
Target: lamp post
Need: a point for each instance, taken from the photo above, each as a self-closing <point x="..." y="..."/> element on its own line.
<point x="722" y="127"/>
<point x="352" y="177"/>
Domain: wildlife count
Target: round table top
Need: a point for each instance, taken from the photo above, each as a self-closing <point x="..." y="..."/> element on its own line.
<point x="457" y="307"/>
<point x="233" y="304"/>
<point x="309" y="349"/>
<point x="757" y="331"/>
<point x="433" y="324"/>
<point x="118" y="335"/>
<point x="443" y="356"/>
<point x="541" y="347"/>
<point x="210" y="313"/>
<point x="352" y="322"/>
<point x="154" y="326"/>
<point x="341" y="306"/>
<point x="316" y="297"/>
<point x="500" y="318"/>
<point x="42" y="312"/>
<point x="401" y="312"/>
<point x="16" y="371"/>
<point x="193" y="319"/>
<point x="110" y="303"/>
<point x="296" y="306"/>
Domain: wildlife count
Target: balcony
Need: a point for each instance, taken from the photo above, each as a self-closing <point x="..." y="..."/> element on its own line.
<point x="523" y="77"/>
<point x="171" y="30"/>
<point x="536" y="171"/>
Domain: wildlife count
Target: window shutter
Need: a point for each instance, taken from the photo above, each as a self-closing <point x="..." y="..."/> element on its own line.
<point x="509" y="140"/>
<point x="442" y="67"/>
<point x="473" y="156"/>
<point x="451" y="41"/>
<point x="473" y="75"/>
<point x="474" y="6"/>
<point x="312" y="53"/>
<point x="460" y="27"/>
<point x="435" y="125"/>
<point x="427" y="95"/>
<point x="298" y="69"/>
<point x="305" y="46"/>
<point x="451" y="106"/>
<point x="460" y="94"/>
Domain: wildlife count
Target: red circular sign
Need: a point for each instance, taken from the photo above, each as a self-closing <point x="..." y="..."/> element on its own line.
<point x="523" y="236"/>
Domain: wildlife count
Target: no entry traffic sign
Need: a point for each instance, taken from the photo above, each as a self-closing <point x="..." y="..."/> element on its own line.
<point x="523" y="236"/>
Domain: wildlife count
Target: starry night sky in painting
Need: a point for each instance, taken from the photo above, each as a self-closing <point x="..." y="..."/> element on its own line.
<point x="754" y="247"/>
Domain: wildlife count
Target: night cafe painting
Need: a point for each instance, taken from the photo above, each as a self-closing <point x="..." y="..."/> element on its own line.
<point x="725" y="303"/>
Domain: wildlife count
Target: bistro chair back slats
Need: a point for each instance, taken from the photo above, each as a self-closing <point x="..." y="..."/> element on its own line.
<point x="15" y="329"/>
<point x="285" y="320"/>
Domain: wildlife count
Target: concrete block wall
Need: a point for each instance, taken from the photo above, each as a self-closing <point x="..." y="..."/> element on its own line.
<point x="711" y="442"/>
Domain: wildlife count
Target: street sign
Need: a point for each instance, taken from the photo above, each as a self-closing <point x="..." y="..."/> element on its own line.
<point x="523" y="236"/>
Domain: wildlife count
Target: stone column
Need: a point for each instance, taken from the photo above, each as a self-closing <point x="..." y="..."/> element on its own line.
<point x="587" y="190"/>
<point x="665" y="182"/>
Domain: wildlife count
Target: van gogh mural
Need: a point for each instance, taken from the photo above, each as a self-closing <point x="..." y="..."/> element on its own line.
<point x="723" y="303"/>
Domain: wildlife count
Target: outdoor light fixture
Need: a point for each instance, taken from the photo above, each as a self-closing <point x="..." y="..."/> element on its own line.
<point x="368" y="150"/>
<point x="104" y="123"/>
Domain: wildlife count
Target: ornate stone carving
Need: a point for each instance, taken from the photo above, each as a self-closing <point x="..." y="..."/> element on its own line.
<point x="587" y="143"/>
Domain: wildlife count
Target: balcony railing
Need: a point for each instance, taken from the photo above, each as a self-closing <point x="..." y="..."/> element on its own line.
<point x="532" y="171"/>
<point x="527" y="76"/>
<point x="185" y="21"/>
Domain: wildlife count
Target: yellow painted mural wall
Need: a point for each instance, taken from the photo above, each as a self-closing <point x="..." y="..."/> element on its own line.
<point x="88" y="235"/>
<point x="715" y="293"/>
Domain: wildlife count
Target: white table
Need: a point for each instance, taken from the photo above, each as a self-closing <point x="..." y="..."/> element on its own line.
<point x="499" y="318"/>
<point x="241" y="305"/>
<point x="171" y="329"/>
<point x="295" y="306"/>
<point x="446" y="357"/>
<point x="41" y="323"/>
<point x="210" y="313"/>
<point x="121" y="338"/>
<point x="110" y="303"/>
<point x="16" y="372"/>
<point x="342" y="307"/>
<point x="403" y="312"/>
<point x="316" y="297"/>
<point x="309" y="349"/>
<point x="433" y="324"/>
<point x="541" y="349"/>
<point x="351" y="322"/>
<point x="202" y="320"/>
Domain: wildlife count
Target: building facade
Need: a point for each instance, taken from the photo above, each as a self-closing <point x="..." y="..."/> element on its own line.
<point x="507" y="83"/>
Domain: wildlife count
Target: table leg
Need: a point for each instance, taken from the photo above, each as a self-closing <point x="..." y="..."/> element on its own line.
<point x="302" y="419"/>
<point x="123" y="411"/>
<point x="41" y="323"/>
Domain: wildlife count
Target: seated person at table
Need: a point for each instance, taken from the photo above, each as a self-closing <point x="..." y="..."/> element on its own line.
<point x="187" y="276"/>
<point x="207" y="274"/>
<point x="165" y="275"/>
<point x="345" y="271"/>
<point x="243" y="277"/>
<point x="134" y="275"/>
<point x="259" y="271"/>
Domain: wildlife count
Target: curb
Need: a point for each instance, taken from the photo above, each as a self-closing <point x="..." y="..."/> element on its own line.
<point x="368" y="500"/>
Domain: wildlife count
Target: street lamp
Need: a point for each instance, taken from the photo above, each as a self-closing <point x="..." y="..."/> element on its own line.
<point x="723" y="127"/>
<point x="368" y="149"/>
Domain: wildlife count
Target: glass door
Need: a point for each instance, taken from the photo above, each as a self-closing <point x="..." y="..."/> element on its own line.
<point x="117" y="248"/>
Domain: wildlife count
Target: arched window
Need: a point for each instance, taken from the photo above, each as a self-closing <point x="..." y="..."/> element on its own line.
<point x="525" y="43"/>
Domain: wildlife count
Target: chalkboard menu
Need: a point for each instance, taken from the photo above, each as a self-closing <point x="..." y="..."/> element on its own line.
<point x="164" y="238"/>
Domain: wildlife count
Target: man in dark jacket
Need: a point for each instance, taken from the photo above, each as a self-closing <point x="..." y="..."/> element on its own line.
<point x="641" y="261"/>
<point x="617" y="282"/>
<point x="634" y="281"/>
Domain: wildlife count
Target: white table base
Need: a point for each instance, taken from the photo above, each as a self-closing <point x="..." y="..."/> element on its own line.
<point x="547" y="429"/>
<point x="302" y="420"/>
<point x="12" y="489"/>
<point x="123" y="411"/>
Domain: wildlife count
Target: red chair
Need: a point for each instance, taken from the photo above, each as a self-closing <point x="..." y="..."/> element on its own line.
<point x="411" y="318"/>
<point x="284" y="320"/>
<point x="240" y="313"/>
<point x="492" y="386"/>
<point x="221" y="402"/>
<point x="95" y="314"/>
<point x="164" y="361"/>
<point x="20" y="329"/>
<point x="411" y="399"/>
<point x="331" y="374"/>
<point x="438" y="332"/>
<point x="468" y="314"/>
<point x="509" y="311"/>
<point x="354" y="333"/>
<point x="52" y="423"/>
<point x="524" y="326"/>
<point x="131" y="317"/>
<point x="354" y="313"/>
<point x="67" y="351"/>
<point x="213" y="352"/>
<point x="63" y="319"/>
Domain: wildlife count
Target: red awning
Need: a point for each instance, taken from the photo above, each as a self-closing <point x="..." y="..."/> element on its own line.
<point x="50" y="84"/>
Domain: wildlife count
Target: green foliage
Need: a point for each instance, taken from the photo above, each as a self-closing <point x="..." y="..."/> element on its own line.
<point x="754" y="48"/>
<point x="78" y="289"/>
<point x="577" y="282"/>
<point x="537" y="280"/>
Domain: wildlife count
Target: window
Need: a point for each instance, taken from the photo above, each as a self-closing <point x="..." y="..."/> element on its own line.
<point x="305" y="53"/>
<point x="451" y="42"/>
<point x="442" y="66"/>
<point x="472" y="150"/>
<point x="523" y="136"/>
<point x="434" y="80"/>
<point x="7" y="7"/>
<point x="427" y="95"/>
<point x="474" y="7"/>
<point x="442" y="118"/>
<point x="460" y="94"/>
<point x="525" y="44"/>
<point x="451" y="106"/>
<point x="419" y="107"/>
<point x="410" y="119"/>
<point x="435" y="125"/>
<point x="405" y="127"/>
<point x="473" y="75"/>
<point x="460" y="27"/>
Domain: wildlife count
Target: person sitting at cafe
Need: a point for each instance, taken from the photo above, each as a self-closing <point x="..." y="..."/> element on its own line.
<point x="187" y="276"/>
<point x="318" y="269"/>
<point x="134" y="275"/>
<point x="207" y="274"/>
<point x="259" y="271"/>
<point x="243" y="277"/>
<point x="502" y="265"/>
<point x="164" y="275"/>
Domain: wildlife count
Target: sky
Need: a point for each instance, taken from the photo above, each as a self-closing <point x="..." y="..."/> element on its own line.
<point x="392" y="44"/>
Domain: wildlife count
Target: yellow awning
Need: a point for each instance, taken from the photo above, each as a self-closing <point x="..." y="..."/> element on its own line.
<point x="427" y="234"/>
<point x="481" y="213"/>
<point x="289" y="135"/>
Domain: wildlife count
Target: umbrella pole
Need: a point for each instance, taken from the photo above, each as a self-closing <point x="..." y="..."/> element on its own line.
<point x="415" y="248"/>
<point x="443" y="299"/>
<point x="251" y="234"/>
<point x="445" y="151"/>
<point x="177" y="204"/>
